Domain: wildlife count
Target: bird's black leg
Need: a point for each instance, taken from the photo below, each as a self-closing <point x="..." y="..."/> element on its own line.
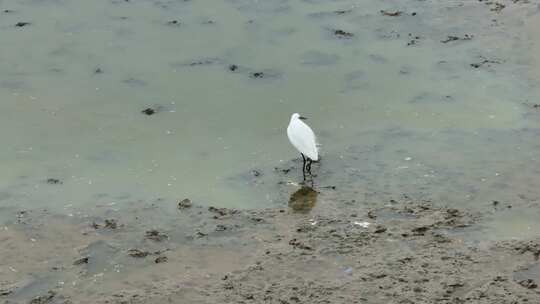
<point x="308" y="166"/>
<point x="303" y="166"/>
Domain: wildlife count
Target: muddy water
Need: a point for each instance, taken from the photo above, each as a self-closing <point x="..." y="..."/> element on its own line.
<point x="437" y="103"/>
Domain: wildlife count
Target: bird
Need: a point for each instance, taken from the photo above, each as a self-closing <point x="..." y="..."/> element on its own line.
<point x="303" y="139"/>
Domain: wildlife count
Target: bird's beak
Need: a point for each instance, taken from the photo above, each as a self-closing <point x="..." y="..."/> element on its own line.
<point x="302" y="118"/>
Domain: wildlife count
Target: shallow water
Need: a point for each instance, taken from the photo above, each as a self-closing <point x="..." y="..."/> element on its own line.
<point x="397" y="111"/>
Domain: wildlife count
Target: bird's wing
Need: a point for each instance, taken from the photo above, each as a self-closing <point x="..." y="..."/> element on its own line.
<point x="303" y="139"/>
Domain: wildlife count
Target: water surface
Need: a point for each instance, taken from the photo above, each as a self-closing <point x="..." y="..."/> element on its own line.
<point x="397" y="111"/>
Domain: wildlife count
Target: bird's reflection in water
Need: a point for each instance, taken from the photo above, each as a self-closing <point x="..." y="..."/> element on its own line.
<point x="303" y="200"/>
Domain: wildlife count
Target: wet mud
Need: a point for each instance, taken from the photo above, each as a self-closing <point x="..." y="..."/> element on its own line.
<point x="403" y="251"/>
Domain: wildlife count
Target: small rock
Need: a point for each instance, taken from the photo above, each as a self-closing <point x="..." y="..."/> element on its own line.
<point x="136" y="253"/>
<point x="528" y="283"/>
<point x="47" y="298"/>
<point x="161" y="259"/>
<point x="420" y="230"/>
<point x="81" y="261"/>
<point x="173" y="22"/>
<point x="380" y="229"/>
<point x="111" y="224"/>
<point x="184" y="204"/>
<point x="233" y="67"/>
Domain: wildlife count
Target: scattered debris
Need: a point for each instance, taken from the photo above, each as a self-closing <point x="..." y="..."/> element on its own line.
<point x="47" y="298"/>
<point x="484" y="62"/>
<point x="342" y="12"/>
<point x="391" y="14"/>
<point x="257" y="75"/>
<point x="455" y="38"/>
<point x="156" y="236"/>
<point x="205" y="61"/>
<point x="54" y="181"/>
<point x="221" y="212"/>
<point x="498" y="7"/>
<point x="134" y="82"/>
<point x="329" y="187"/>
<point x="136" y="253"/>
<point x="111" y="224"/>
<point x="362" y="224"/>
<point x="300" y="245"/>
<point x="414" y="40"/>
<point x="221" y="227"/>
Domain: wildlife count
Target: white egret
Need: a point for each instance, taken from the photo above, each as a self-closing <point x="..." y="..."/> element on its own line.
<point x="303" y="139"/>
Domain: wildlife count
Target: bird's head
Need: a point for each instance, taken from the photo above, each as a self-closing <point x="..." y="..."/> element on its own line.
<point x="297" y="116"/>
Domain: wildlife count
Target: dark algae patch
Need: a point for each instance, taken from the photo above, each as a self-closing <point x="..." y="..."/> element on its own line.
<point x="343" y="34"/>
<point x="22" y="24"/>
<point x="148" y="111"/>
<point x="54" y="181"/>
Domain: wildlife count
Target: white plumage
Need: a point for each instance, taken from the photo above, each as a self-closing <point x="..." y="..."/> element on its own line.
<point x="302" y="137"/>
